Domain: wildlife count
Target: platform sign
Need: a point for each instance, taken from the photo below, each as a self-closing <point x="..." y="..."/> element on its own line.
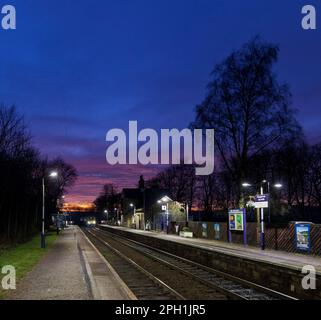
<point x="236" y="220"/>
<point x="303" y="236"/>
<point x="261" y="201"/>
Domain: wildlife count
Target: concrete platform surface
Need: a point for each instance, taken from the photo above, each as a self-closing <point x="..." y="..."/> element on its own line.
<point x="72" y="270"/>
<point x="294" y="261"/>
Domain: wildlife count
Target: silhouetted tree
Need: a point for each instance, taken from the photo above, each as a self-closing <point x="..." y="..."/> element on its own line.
<point x="21" y="172"/>
<point x="249" y="110"/>
<point x="56" y="188"/>
<point x="314" y="176"/>
<point x="109" y="199"/>
<point x="179" y="180"/>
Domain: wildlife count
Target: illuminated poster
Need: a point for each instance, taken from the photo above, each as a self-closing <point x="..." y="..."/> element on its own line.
<point x="302" y="236"/>
<point x="236" y="221"/>
<point x="217" y="231"/>
<point x="204" y="230"/>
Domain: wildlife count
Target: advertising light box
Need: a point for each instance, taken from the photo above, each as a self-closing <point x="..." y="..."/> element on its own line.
<point x="236" y="220"/>
<point x="302" y="236"/>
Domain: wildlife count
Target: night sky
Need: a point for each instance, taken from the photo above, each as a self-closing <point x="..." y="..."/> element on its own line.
<point x="77" y="68"/>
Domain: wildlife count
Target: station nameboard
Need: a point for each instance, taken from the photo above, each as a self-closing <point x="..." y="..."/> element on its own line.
<point x="262" y="201"/>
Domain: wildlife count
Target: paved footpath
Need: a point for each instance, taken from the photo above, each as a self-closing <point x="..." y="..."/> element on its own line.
<point x="72" y="270"/>
<point x="289" y="260"/>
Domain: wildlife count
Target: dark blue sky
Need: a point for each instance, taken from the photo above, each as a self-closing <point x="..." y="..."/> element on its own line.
<point x="76" y="69"/>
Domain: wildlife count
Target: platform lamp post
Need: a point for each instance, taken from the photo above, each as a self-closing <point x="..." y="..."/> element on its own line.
<point x="53" y="174"/>
<point x="262" y="223"/>
<point x="134" y="207"/>
<point x="187" y="213"/>
<point x="268" y="190"/>
<point x="262" y="229"/>
<point x="106" y="212"/>
<point x="276" y="186"/>
<point x="166" y="200"/>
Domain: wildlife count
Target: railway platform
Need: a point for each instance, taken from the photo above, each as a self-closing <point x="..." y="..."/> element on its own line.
<point x="277" y="270"/>
<point x="72" y="269"/>
<point x="279" y="258"/>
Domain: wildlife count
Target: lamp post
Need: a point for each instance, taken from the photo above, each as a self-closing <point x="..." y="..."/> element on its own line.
<point x="133" y="206"/>
<point x="53" y="174"/>
<point x="167" y="214"/>
<point x="106" y="212"/>
<point x="115" y="214"/>
<point x="187" y="214"/>
<point x="262" y="226"/>
<point x="166" y="200"/>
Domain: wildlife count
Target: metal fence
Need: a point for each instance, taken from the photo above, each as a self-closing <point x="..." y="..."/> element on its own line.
<point x="280" y="237"/>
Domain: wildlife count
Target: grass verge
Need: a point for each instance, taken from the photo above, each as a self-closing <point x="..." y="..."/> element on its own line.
<point x="23" y="257"/>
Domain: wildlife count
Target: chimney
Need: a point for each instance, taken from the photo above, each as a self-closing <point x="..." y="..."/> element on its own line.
<point x="141" y="183"/>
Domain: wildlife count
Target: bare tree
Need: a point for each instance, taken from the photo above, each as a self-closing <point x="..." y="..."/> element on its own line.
<point x="179" y="180"/>
<point x="109" y="199"/>
<point x="249" y="110"/>
<point x="315" y="175"/>
<point x="21" y="171"/>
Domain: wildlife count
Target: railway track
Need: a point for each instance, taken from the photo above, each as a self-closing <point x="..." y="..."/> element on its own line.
<point x="142" y="283"/>
<point x="215" y="284"/>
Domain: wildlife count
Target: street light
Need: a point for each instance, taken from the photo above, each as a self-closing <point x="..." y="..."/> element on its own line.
<point x="246" y="185"/>
<point x="53" y="174"/>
